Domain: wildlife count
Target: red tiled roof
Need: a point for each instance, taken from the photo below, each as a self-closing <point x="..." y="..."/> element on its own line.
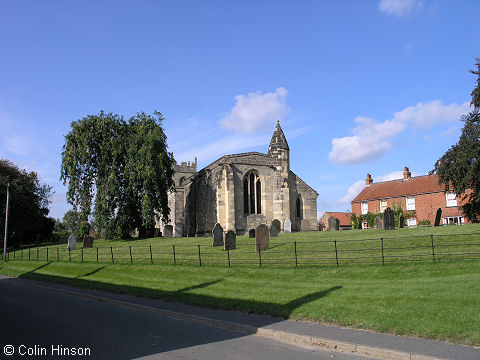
<point x="343" y="217"/>
<point x="397" y="188"/>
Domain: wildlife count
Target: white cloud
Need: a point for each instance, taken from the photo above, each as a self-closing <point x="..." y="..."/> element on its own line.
<point x="372" y="138"/>
<point x="399" y="8"/>
<point x="352" y="191"/>
<point x="449" y="131"/>
<point x="256" y="111"/>
<point x="433" y="113"/>
<point x="369" y="142"/>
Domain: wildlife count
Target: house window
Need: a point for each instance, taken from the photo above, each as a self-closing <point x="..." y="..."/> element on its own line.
<point x="252" y="194"/>
<point x="364" y="208"/>
<point x="299" y="207"/>
<point x="383" y="205"/>
<point x="453" y="220"/>
<point x="410" y="203"/>
<point x="451" y="199"/>
<point x="412" y="222"/>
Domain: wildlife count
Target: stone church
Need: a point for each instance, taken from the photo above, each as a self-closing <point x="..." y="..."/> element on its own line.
<point x="240" y="192"/>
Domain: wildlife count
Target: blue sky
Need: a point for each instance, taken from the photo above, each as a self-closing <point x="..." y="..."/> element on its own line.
<point x="358" y="86"/>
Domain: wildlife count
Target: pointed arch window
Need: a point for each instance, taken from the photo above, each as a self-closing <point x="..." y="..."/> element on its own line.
<point x="299" y="207"/>
<point x="252" y="193"/>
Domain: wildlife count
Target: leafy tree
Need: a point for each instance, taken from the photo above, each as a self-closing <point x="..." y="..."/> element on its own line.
<point x="459" y="167"/>
<point x="28" y="219"/>
<point x="121" y="168"/>
<point x="71" y="219"/>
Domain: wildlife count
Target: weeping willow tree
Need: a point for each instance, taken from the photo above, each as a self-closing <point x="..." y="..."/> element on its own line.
<point x="118" y="171"/>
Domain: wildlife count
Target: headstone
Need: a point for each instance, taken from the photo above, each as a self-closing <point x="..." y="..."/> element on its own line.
<point x="401" y="221"/>
<point x="217" y="235"/>
<point x="378" y="222"/>
<point x="178" y="230"/>
<point x="230" y="240"/>
<point x="333" y="224"/>
<point x="305" y="225"/>
<point x="168" y="231"/>
<point x="438" y="217"/>
<point x="388" y="221"/>
<point x="251" y="233"/>
<point x="275" y="229"/>
<point x="88" y="242"/>
<point x="287" y="226"/>
<point x="261" y="237"/>
<point x="72" y="242"/>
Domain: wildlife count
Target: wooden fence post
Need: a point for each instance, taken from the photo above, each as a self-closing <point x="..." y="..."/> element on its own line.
<point x="111" y="251"/>
<point x="336" y="252"/>
<point x="131" y="258"/>
<point x="433" y="248"/>
<point x="174" y="257"/>
<point x="296" y="258"/>
<point x="199" y="257"/>
<point x="151" y="256"/>
<point x="259" y="255"/>
<point x="383" y="258"/>
<point x="58" y="255"/>
<point x="97" y="254"/>
<point x="228" y="255"/>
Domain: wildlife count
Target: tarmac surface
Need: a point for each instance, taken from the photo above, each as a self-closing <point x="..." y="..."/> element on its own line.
<point x="44" y="314"/>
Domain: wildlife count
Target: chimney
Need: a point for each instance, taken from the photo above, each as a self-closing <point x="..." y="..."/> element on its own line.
<point x="369" y="180"/>
<point x="406" y="174"/>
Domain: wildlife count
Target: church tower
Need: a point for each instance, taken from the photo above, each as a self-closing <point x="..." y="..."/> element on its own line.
<point x="279" y="150"/>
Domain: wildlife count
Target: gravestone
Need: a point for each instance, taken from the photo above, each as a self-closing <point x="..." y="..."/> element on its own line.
<point x="217" y="235"/>
<point x="230" y="240"/>
<point x="261" y="237"/>
<point x="168" y="231"/>
<point x="251" y="233"/>
<point x="287" y="226"/>
<point x="178" y="230"/>
<point x="388" y="221"/>
<point x="333" y="224"/>
<point x="438" y="217"/>
<point x="275" y="229"/>
<point x="378" y="222"/>
<point x="88" y="242"/>
<point x="305" y="225"/>
<point x="401" y="221"/>
<point x="72" y="242"/>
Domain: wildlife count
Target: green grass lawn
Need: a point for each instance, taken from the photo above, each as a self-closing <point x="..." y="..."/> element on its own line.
<point x="438" y="301"/>
<point x="287" y="250"/>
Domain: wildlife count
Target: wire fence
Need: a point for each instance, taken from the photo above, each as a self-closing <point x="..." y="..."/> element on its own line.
<point x="424" y="248"/>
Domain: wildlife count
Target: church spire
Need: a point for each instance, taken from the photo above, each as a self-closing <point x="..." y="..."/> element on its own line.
<point x="278" y="140"/>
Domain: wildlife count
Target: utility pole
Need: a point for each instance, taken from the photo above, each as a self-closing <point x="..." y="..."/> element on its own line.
<point x="6" y="227"/>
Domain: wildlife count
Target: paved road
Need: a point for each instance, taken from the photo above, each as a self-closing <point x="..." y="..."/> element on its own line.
<point x="33" y="320"/>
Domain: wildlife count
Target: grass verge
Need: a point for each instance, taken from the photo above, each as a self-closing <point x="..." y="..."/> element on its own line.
<point x="437" y="301"/>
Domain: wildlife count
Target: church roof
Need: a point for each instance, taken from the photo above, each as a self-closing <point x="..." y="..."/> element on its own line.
<point x="278" y="139"/>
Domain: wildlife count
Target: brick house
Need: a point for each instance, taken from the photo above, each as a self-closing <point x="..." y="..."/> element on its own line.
<point x="420" y="195"/>
<point x="344" y="217"/>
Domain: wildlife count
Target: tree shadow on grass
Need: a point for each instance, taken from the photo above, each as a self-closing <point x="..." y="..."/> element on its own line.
<point x="184" y="296"/>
